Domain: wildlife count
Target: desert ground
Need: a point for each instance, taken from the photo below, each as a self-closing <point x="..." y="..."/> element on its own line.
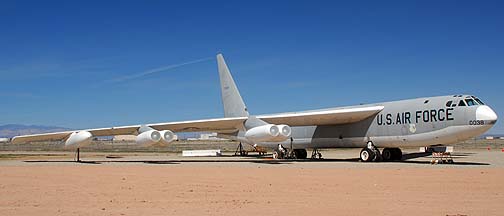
<point x="165" y="183"/>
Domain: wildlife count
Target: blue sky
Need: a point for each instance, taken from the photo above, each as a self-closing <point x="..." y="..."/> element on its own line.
<point x="60" y="61"/>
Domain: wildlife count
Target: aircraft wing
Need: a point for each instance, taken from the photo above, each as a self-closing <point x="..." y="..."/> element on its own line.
<point x="323" y="117"/>
<point x="223" y="125"/>
<point x="215" y="125"/>
<point x="41" y="137"/>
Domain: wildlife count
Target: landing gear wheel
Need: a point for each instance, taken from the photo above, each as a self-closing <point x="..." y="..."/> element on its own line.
<point x="367" y="155"/>
<point x="387" y="154"/>
<point x="391" y="154"/>
<point x="300" y="154"/>
<point x="304" y="154"/>
<point x="396" y="154"/>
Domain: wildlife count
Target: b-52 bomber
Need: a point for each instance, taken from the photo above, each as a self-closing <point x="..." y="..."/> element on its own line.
<point x="380" y="129"/>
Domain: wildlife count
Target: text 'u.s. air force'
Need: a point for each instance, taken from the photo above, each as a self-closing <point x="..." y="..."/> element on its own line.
<point x="433" y="115"/>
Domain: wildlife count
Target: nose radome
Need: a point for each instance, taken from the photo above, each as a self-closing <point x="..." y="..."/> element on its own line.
<point x="485" y="113"/>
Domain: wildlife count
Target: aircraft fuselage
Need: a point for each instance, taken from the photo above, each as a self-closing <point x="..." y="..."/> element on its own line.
<point x="415" y="122"/>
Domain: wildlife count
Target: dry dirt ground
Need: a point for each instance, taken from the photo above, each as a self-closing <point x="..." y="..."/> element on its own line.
<point x="140" y="185"/>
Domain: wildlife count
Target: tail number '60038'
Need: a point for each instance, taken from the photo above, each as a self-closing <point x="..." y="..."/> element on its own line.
<point x="476" y="122"/>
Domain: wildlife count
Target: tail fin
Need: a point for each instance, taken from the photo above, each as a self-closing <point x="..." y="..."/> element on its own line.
<point x="231" y="99"/>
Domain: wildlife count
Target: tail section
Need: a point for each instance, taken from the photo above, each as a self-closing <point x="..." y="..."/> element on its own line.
<point x="231" y="99"/>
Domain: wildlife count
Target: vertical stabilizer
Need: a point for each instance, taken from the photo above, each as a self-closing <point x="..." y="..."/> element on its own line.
<point x="231" y="99"/>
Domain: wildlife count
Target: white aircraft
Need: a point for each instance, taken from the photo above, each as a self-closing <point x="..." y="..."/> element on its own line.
<point x="419" y="122"/>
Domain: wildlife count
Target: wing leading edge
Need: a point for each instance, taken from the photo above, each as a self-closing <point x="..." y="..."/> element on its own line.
<point x="224" y="125"/>
<point x="323" y="117"/>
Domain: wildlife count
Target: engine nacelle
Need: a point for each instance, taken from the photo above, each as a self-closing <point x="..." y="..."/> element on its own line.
<point x="79" y="138"/>
<point x="148" y="138"/>
<point x="167" y="136"/>
<point x="285" y="132"/>
<point x="268" y="133"/>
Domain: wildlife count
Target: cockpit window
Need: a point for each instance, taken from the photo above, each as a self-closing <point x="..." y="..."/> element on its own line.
<point x="449" y="103"/>
<point x="462" y="103"/>
<point x="471" y="102"/>
<point x="479" y="101"/>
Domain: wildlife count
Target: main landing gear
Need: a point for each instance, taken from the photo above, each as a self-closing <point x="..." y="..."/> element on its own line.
<point x="390" y="154"/>
<point x="372" y="154"/>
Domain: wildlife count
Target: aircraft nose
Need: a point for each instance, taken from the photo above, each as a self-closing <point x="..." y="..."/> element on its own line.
<point x="485" y="113"/>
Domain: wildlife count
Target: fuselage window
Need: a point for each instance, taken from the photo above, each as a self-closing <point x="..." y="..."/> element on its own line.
<point x="449" y="103"/>
<point x="462" y="103"/>
<point x="470" y="102"/>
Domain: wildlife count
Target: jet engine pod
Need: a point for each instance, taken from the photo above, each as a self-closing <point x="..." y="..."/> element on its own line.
<point x="167" y="136"/>
<point x="268" y="133"/>
<point x="285" y="132"/>
<point x="148" y="138"/>
<point x="79" y="138"/>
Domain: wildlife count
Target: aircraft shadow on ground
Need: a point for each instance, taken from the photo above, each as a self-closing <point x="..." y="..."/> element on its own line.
<point x="62" y="161"/>
<point x="263" y="159"/>
<point x="454" y="163"/>
<point x="407" y="159"/>
<point x="175" y="162"/>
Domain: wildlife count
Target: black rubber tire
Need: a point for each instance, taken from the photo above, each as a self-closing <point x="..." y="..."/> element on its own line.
<point x="396" y="154"/>
<point x="302" y="153"/>
<point x="377" y="155"/>
<point x="366" y="155"/>
<point x="387" y="154"/>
